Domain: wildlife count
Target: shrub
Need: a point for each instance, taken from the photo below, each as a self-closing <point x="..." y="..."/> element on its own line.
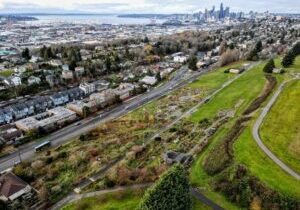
<point x="229" y="56"/>
<point x="171" y="192"/>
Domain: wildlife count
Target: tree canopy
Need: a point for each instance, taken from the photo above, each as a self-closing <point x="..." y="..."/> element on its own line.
<point x="171" y="192"/>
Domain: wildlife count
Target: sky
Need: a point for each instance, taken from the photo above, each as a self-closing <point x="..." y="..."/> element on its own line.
<point x="143" y="6"/>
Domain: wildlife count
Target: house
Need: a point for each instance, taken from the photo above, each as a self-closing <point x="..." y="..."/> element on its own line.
<point x="12" y="187"/>
<point x="41" y="104"/>
<point x="9" y="133"/>
<point x="65" y="67"/>
<point x="30" y="106"/>
<point x="124" y="90"/>
<point x="78" y="107"/>
<point x="101" y="85"/>
<point x="75" y="94"/>
<point x="55" y="63"/>
<point x="67" y="74"/>
<point x="33" y="80"/>
<point x="201" y="64"/>
<point x="59" y="99"/>
<point x="34" y="59"/>
<point x="19" y="111"/>
<point x="13" y="81"/>
<point x="52" y="80"/>
<point x="104" y="98"/>
<point x="32" y="66"/>
<point x="180" y="59"/>
<point x="6" y="116"/>
<point x="148" y="80"/>
<point x="20" y="69"/>
<point x="164" y="73"/>
<point x="79" y="71"/>
<point x="88" y="88"/>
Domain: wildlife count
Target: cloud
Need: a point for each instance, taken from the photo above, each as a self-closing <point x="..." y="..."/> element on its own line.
<point x="143" y="6"/>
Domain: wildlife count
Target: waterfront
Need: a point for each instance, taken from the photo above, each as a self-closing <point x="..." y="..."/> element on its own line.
<point x="89" y="18"/>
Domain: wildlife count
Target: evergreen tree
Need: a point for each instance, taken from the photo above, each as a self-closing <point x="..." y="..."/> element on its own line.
<point x="171" y="192"/>
<point x="26" y="54"/>
<point x="288" y="59"/>
<point x="270" y="65"/>
<point x="158" y="77"/>
<point x="193" y="63"/>
<point x="258" y="46"/>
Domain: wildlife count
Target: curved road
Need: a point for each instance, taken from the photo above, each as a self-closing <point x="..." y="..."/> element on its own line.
<point x="255" y="132"/>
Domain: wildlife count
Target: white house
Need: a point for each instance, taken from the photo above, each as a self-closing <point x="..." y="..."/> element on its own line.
<point x="33" y="80"/>
<point x="79" y="71"/>
<point x="180" y="59"/>
<point x="67" y="74"/>
<point x="13" y="81"/>
<point x="88" y="88"/>
<point x="149" y="80"/>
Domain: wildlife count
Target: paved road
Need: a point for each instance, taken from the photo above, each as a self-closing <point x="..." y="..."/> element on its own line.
<point x="202" y="198"/>
<point x="255" y="132"/>
<point x="66" y="134"/>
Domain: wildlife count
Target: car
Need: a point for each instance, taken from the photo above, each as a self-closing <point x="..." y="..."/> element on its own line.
<point x="17" y="162"/>
<point x="79" y="123"/>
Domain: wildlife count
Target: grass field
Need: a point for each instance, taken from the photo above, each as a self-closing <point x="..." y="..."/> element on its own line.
<point x="127" y="200"/>
<point x="248" y="153"/>
<point x="280" y="132"/>
<point x="281" y="128"/>
<point x="6" y="73"/>
<point x="241" y="92"/>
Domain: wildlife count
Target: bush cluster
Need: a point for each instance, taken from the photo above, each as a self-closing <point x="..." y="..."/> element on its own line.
<point x="171" y="192"/>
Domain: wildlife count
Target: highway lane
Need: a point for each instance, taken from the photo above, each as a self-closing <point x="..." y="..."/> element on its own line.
<point x="256" y="136"/>
<point x="66" y="134"/>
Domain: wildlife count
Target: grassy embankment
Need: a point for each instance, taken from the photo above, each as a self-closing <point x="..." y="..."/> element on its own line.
<point x="245" y="149"/>
<point x="117" y="201"/>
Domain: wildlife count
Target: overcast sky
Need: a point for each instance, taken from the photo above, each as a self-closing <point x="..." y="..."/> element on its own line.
<point x="143" y="6"/>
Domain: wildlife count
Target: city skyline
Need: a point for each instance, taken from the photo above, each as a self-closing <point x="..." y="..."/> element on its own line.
<point x="143" y="6"/>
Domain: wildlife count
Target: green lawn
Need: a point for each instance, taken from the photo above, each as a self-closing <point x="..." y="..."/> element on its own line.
<point x="242" y="91"/>
<point x="294" y="68"/>
<point x="248" y="153"/>
<point x="215" y="78"/>
<point x="6" y="73"/>
<point x="281" y="132"/>
<point x="127" y="200"/>
<point x="112" y="201"/>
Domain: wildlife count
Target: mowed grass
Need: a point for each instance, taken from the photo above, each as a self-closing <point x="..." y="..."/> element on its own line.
<point x="281" y="128"/>
<point x="126" y="200"/>
<point x="260" y="165"/>
<point x="294" y="68"/>
<point x="207" y="82"/>
<point x="111" y="201"/>
<point x="215" y="78"/>
<point x="280" y="132"/>
<point x="242" y="91"/>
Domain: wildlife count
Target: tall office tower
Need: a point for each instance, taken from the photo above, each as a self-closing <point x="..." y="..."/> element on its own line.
<point x="221" y="14"/>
